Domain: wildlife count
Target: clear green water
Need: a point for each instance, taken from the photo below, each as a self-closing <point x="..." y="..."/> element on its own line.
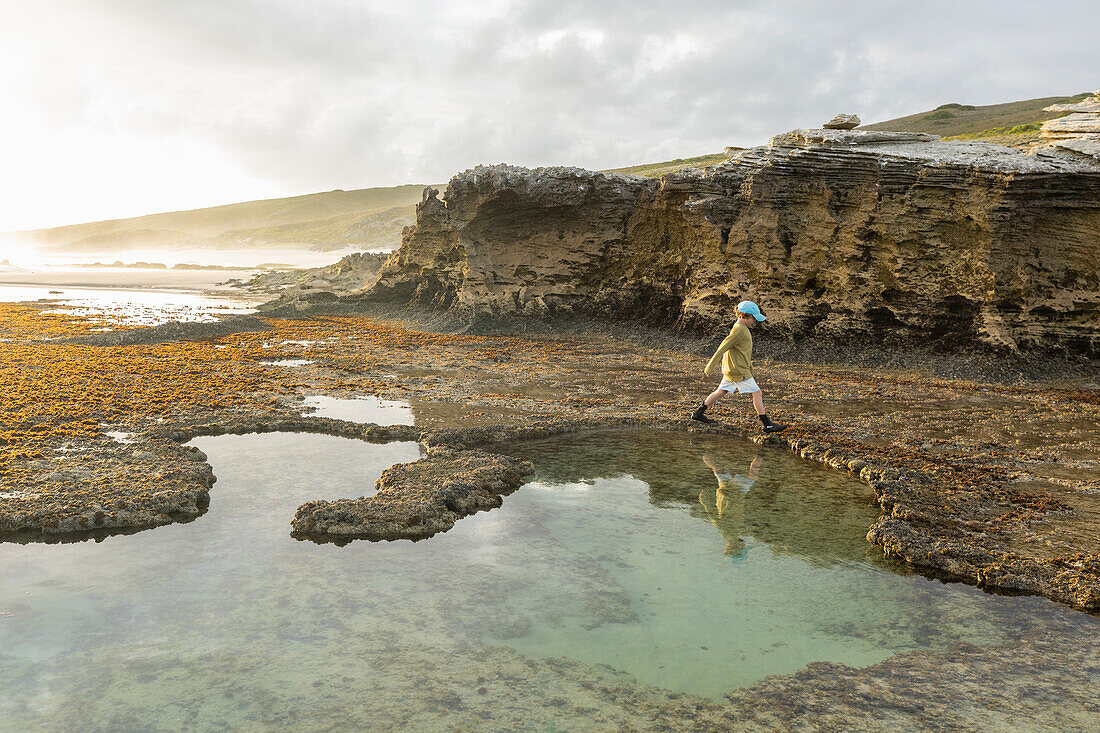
<point x="694" y="566"/>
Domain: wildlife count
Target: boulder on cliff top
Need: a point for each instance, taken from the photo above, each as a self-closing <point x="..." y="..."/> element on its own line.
<point x="842" y="122"/>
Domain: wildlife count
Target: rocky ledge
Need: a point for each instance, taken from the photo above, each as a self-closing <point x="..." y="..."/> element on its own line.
<point x="849" y="235"/>
<point x="1078" y="130"/>
<point x="416" y="500"/>
<point x="144" y="493"/>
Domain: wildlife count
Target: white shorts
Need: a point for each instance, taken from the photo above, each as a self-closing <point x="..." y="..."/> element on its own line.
<point x="745" y="386"/>
<point x="743" y="483"/>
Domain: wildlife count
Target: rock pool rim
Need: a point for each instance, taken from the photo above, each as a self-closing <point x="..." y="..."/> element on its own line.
<point x="1065" y="580"/>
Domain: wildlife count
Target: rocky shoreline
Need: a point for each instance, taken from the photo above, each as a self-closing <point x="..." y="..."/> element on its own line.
<point x="994" y="484"/>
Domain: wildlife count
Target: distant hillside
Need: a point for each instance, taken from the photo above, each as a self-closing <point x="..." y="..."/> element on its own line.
<point x="368" y="217"/>
<point x="1015" y="124"/>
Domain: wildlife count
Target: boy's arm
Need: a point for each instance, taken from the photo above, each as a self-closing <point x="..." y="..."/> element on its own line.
<point x="722" y="349"/>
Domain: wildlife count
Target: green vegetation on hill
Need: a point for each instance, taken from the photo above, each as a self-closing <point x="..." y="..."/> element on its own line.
<point x="1029" y="128"/>
<point x="656" y="169"/>
<point x="976" y="122"/>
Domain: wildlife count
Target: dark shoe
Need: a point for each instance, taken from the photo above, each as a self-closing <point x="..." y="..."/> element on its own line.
<point x="698" y="414"/>
<point x="769" y="426"/>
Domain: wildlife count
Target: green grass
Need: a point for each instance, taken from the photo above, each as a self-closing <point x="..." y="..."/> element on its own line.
<point x="1029" y="127"/>
<point x="656" y="169"/>
<point x="974" y="121"/>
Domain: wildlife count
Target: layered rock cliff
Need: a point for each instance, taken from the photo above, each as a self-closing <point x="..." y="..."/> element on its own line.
<point x="851" y="235"/>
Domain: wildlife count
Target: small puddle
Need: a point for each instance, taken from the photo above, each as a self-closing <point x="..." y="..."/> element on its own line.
<point x="362" y="410"/>
<point x="693" y="565"/>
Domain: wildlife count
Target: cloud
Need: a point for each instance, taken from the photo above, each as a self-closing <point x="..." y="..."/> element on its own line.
<point x="318" y="94"/>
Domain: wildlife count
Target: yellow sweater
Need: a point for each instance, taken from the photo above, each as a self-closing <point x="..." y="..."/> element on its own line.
<point x="735" y="353"/>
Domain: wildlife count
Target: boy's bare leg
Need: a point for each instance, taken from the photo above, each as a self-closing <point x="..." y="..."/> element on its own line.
<point x="710" y="400"/>
<point x="714" y="397"/>
<point x="758" y="402"/>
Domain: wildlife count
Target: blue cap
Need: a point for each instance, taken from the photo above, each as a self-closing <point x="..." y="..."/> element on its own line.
<point x="750" y="309"/>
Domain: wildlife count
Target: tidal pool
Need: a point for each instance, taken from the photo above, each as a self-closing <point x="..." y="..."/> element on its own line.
<point x="364" y="409"/>
<point x="630" y="562"/>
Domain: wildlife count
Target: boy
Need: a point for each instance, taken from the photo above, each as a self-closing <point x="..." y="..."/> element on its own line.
<point x="735" y="354"/>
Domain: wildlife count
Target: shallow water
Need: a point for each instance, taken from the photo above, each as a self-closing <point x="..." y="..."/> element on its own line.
<point x="130" y="307"/>
<point x="289" y="362"/>
<point x="692" y="565"/>
<point x="366" y="409"/>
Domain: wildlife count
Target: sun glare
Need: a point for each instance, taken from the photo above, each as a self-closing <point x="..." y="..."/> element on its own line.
<point x="18" y="254"/>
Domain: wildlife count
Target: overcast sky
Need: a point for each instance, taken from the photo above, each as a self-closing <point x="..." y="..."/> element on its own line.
<point x="121" y="107"/>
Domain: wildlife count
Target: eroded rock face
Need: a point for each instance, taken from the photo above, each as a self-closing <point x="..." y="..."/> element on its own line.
<point x="513" y="240"/>
<point x="842" y="234"/>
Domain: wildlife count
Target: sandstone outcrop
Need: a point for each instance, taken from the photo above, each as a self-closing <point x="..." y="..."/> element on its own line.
<point x="1078" y="130"/>
<point x="852" y="235"/>
<point x="842" y="122"/>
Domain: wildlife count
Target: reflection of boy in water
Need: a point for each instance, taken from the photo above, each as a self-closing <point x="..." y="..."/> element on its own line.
<point x="725" y="506"/>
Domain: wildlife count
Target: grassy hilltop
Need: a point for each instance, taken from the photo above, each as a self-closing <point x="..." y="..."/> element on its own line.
<point x="1014" y="123"/>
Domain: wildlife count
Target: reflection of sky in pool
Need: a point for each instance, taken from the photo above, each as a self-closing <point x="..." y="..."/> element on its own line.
<point x="289" y="362"/>
<point x="618" y="552"/>
<point x="361" y="410"/>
